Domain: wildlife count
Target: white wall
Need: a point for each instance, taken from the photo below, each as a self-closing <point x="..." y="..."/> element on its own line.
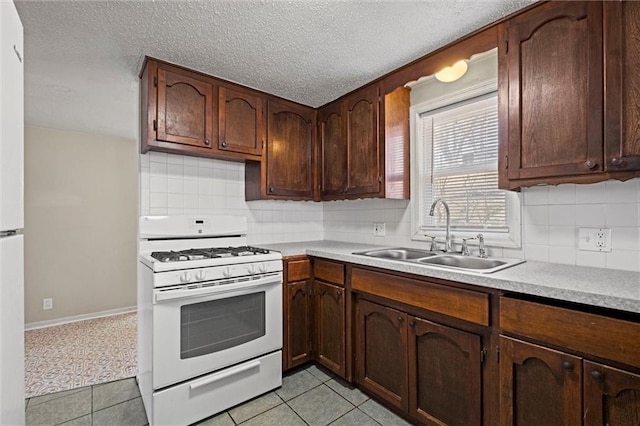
<point x="80" y="223"/>
<point x="176" y="184"/>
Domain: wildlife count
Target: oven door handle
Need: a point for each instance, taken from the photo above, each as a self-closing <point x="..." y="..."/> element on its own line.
<point x="184" y="292"/>
<point x="224" y="374"/>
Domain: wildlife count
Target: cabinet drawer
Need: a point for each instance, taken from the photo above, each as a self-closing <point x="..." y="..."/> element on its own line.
<point x="329" y="271"/>
<point x="298" y="270"/>
<point x="610" y="338"/>
<point x="458" y="303"/>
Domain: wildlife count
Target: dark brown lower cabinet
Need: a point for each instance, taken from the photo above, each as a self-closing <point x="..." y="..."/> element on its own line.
<point x="299" y="348"/>
<point x="330" y="326"/>
<point x="611" y="396"/>
<point x="430" y="371"/>
<point x="381" y="353"/>
<point x="444" y="375"/>
<point x="539" y="386"/>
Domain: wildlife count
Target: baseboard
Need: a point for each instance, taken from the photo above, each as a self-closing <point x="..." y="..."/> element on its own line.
<point x="75" y="318"/>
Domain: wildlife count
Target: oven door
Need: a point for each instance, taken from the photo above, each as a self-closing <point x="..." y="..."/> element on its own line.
<point x="203" y="328"/>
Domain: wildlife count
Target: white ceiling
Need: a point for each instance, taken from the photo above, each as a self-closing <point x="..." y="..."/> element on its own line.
<point x="82" y="58"/>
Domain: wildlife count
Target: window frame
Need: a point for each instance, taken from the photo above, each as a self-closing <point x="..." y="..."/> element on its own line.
<point x="512" y="239"/>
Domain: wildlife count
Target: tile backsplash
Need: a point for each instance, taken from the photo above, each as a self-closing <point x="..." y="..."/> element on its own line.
<point x="175" y="184"/>
<point x="551" y="215"/>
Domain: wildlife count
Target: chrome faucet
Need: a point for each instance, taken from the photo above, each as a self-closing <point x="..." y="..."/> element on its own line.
<point x="447" y="241"/>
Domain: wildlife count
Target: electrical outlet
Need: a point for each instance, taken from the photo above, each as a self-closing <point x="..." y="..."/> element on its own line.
<point x="47" y="304"/>
<point x="594" y="239"/>
<point x="379" y="229"/>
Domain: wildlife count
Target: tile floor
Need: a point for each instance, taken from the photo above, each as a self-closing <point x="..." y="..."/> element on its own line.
<point x="309" y="396"/>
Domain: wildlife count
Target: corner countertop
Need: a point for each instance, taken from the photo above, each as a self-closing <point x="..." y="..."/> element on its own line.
<point x="605" y="288"/>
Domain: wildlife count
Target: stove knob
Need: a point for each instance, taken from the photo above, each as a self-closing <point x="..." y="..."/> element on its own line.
<point x="201" y="275"/>
<point x="263" y="267"/>
<point x="251" y="270"/>
<point x="185" y="278"/>
<point x="226" y="272"/>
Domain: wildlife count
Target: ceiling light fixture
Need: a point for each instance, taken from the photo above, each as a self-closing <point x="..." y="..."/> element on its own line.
<point x="452" y="73"/>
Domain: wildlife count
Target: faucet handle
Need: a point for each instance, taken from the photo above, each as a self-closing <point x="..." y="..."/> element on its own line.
<point x="482" y="251"/>
<point x="434" y="246"/>
<point x="465" y="248"/>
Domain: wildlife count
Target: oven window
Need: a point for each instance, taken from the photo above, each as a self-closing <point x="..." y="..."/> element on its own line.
<point x="213" y="326"/>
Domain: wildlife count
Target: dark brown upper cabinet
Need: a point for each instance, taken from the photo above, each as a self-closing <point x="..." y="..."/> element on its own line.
<point x="364" y="145"/>
<point x="622" y="101"/>
<point x="364" y="151"/>
<point x="189" y="113"/>
<point x="183" y="110"/>
<point x="286" y="171"/>
<point x="568" y="91"/>
<point x="553" y="57"/>
<point x="333" y="152"/>
<point x="240" y="125"/>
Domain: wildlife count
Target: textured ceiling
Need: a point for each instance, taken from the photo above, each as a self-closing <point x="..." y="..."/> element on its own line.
<point x="82" y="58"/>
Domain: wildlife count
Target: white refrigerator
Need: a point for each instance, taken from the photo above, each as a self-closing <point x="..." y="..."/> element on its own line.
<point x="11" y="217"/>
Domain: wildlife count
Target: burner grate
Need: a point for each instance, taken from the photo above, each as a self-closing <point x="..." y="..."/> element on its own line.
<point x="206" y="253"/>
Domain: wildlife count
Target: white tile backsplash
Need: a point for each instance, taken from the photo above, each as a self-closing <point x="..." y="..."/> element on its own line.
<point x="173" y="184"/>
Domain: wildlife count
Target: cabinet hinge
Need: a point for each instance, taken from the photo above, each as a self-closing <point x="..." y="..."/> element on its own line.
<point x="380" y="178"/>
<point x="483" y="356"/>
<point x="155" y="125"/>
<point x="498" y="354"/>
<point x="155" y="81"/>
<point x="506" y="46"/>
<point x="506" y="162"/>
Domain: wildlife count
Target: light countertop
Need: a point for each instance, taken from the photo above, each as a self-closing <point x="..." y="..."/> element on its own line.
<point x="606" y="288"/>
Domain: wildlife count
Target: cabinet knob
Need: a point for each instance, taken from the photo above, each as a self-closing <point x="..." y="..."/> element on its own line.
<point x="223" y="144"/>
<point x="412" y="324"/>
<point x="207" y="142"/>
<point x="400" y="319"/>
<point x="598" y="376"/>
<point x="617" y="161"/>
<point x="270" y="190"/>
<point x="338" y="293"/>
<point x="566" y="365"/>
<point x="590" y="164"/>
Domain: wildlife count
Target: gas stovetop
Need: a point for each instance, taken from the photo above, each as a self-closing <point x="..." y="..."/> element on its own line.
<point x="206" y="253"/>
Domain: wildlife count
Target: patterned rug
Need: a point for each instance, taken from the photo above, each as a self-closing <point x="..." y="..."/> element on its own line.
<point x="79" y="354"/>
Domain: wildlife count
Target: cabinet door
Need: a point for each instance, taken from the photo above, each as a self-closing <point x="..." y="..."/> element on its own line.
<point x="299" y="322"/>
<point x="185" y="109"/>
<point x="611" y="396"/>
<point x="444" y="375"/>
<point x="381" y="352"/>
<point x="364" y="153"/>
<point x="333" y="152"/>
<point x="555" y="78"/>
<point x="330" y="326"/>
<point x="539" y="386"/>
<point x="240" y="123"/>
<point x="622" y="108"/>
<point x="289" y="151"/>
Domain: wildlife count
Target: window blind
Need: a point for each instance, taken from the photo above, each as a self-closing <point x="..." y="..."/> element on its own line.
<point x="461" y="166"/>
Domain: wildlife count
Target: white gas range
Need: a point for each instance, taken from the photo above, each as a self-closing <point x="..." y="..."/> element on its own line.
<point x="209" y="317"/>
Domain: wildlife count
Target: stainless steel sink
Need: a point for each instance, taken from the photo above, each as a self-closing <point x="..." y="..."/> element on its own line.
<point x="398" y="253"/>
<point x="443" y="260"/>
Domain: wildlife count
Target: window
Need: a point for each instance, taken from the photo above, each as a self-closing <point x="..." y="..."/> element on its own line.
<point x="456" y="146"/>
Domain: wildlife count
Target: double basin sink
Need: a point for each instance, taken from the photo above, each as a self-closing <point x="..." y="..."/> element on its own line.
<point x="440" y="259"/>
